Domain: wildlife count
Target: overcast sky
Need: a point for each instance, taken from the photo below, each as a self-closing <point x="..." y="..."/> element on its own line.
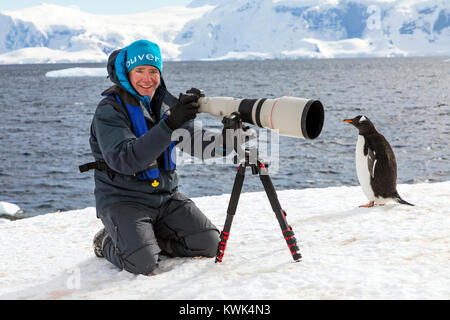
<point x="98" y="6"/>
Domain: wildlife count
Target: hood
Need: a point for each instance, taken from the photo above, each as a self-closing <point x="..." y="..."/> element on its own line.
<point x="117" y="73"/>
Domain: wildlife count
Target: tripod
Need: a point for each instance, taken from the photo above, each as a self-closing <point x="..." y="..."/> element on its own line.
<point x="234" y="122"/>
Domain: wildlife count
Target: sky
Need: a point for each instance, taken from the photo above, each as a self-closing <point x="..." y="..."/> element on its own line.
<point x="97" y="6"/>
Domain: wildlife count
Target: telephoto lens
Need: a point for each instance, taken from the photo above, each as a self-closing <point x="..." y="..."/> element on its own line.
<point x="291" y="116"/>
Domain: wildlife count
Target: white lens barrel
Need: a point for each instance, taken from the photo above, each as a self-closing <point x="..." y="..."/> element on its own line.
<point x="291" y="116"/>
<point x="219" y="106"/>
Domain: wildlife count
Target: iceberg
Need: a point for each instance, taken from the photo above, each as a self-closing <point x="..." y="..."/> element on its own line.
<point x="77" y="72"/>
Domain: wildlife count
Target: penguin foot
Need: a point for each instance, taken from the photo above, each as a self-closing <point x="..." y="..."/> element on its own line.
<point x="369" y="205"/>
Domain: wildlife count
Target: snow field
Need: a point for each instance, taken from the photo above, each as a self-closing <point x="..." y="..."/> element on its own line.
<point x="390" y="252"/>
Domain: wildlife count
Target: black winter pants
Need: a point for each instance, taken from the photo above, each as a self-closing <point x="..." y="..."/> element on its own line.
<point x="137" y="233"/>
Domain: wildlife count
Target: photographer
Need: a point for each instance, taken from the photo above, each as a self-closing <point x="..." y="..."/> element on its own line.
<point x="136" y="184"/>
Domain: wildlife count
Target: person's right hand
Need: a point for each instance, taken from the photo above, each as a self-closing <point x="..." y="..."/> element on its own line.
<point x="184" y="110"/>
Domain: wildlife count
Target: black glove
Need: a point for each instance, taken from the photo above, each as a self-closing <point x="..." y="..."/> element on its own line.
<point x="186" y="109"/>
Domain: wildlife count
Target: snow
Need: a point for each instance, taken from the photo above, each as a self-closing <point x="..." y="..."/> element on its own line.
<point x="390" y="252"/>
<point x="66" y="34"/>
<point x="219" y="29"/>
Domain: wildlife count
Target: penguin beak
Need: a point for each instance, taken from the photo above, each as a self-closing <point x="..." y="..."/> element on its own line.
<point x="348" y="120"/>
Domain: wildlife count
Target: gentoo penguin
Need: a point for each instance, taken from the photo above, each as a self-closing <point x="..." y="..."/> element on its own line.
<point x="376" y="166"/>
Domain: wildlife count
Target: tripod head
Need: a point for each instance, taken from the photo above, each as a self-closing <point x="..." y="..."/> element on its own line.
<point x="238" y="134"/>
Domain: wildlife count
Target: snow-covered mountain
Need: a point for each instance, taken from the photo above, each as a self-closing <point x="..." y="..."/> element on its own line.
<point x="239" y="29"/>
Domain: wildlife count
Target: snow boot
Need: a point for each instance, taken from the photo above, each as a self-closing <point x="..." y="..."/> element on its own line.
<point x="98" y="242"/>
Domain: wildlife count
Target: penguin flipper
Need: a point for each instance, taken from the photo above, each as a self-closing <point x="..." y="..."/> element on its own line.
<point x="371" y="161"/>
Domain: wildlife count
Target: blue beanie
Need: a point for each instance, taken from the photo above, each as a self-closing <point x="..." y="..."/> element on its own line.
<point x="143" y="52"/>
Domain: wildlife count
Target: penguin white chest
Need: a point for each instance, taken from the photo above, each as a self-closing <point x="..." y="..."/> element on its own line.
<point x="362" y="168"/>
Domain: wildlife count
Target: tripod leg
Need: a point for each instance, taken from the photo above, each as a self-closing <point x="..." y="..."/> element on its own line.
<point x="287" y="231"/>
<point x="232" y="205"/>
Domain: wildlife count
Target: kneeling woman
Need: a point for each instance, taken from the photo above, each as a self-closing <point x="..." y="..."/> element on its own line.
<point x="136" y="184"/>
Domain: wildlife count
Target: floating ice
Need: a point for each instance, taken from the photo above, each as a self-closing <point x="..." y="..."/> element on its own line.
<point x="8" y="208"/>
<point x="77" y="72"/>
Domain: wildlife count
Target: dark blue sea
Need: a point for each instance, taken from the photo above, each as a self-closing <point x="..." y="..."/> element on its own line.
<point x="44" y="127"/>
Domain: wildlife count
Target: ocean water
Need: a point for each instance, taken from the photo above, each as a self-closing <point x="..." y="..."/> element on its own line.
<point x="44" y="127"/>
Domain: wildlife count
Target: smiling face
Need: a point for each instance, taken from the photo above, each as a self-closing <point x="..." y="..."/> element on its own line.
<point x="145" y="79"/>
